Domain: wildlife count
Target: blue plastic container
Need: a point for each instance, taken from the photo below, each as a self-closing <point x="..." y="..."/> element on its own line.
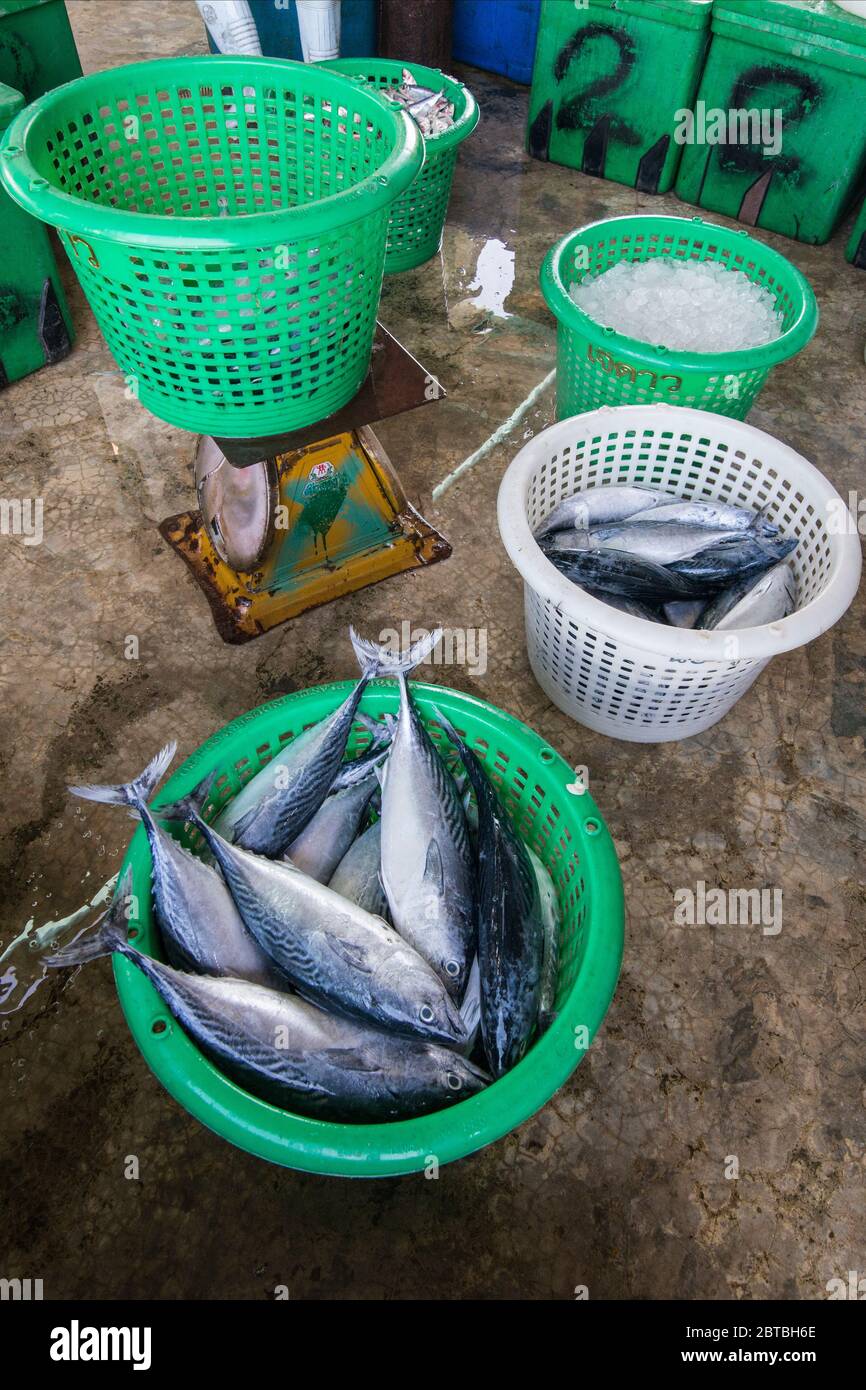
<point x="497" y="35"/>
<point x="280" y="36"/>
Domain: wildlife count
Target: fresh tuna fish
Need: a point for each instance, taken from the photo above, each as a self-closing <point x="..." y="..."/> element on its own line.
<point x="335" y="954"/>
<point x="287" y="1051"/>
<point x="427" y="868"/>
<point x="632" y="606"/>
<point x="470" y="1009"/>
<point x="750" y="602"/>
<point x="600" y="506"/>
<point x="660" y="543"/>
<point x="684" y="612"/>
<point x="624" y="576"/>
<point x="510" y="930"/>
<point x="550" y="921"/>
<point x="716" y="516"/>
<point x="195" y="912"/>
<point x="275" y="806"/>
<point x="358" y="874"/>
<point x="720" y="564"/>
<point x="329" y="835"/>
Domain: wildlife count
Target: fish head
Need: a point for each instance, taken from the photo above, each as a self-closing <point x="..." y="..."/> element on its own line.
<point x="456" y="1078"/>
<point x="427" y="1009"/>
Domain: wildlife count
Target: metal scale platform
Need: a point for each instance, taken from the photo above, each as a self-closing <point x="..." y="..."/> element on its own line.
<point x="291" y="521"/>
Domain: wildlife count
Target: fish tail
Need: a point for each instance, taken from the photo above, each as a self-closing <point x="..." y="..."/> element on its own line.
<point x="189" y="807"/>
<point x="140" y="789"/>
<point x="109" y="935"/>
<point x="376" y="660"/>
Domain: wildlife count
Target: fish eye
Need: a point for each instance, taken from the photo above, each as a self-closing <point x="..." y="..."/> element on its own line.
<point x="453" y="1081"/>
<point x="426" y="1015"/>
<point x="452" y="967"/>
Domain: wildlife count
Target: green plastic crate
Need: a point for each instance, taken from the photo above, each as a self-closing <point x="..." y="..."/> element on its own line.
<point x="564" y="828"/>
<point x="227" y="218"/>
<point x="807" y="61"/>
<point x="37" y="50"/>
<point x="35" y="324"/>
<point x="418" y="218"/>
<point x="609" y="79"/>
<point x="597" y="366"/>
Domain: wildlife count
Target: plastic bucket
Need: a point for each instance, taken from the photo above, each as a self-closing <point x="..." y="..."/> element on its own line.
<point x="418" y="218"/>
<point x="564" y="828"/>
<point x="597" y="366"/>
<point x="226" y="217"/>
<point x="639" y="680"/>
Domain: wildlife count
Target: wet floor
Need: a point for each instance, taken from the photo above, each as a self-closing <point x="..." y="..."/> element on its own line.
<point x="722" y="1043"/>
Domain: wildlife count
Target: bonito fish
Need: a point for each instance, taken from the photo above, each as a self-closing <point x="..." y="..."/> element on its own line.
<point x="195" y="912"/>
<point x="750" y="602"/>
<point x="427" y="869"/>
<point x="287" y="1051"/>
<point x="510" y="928"/>
<point x="334" y="953"/>
<point x="358" y="875"/>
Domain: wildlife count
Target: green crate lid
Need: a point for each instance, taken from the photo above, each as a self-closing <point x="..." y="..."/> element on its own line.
<point x="815" y="30"/>
<point x="688" y="14"/>
<point x="10" y="104"/>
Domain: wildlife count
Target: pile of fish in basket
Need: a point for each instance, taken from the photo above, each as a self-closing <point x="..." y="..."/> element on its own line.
<point x="361" y="939"/>
<point x="691" y="564"/>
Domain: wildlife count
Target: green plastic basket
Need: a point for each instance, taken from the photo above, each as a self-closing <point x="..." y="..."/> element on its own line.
<point x="565" y="829"/>
<point x="597" y="366"/>
<point x="227" y="218"/>
<point x="418" y="218"/>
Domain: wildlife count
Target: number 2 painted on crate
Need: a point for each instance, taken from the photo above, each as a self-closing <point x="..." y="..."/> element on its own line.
<point x="581" y="109"/>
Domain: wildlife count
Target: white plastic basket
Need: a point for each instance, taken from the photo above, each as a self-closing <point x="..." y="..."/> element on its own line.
<point x="628" y="677"/>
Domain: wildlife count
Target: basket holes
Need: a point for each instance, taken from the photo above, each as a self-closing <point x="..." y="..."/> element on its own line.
<point x="132" y="934"/>
<point x="591" y="826"/>
<point x="547" y="755"/>
<point x="159" y="1027"/>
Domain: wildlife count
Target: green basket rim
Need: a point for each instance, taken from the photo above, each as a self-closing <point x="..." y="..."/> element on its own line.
<point x="34" y="193"/>
<point x="657" y="357"/>
<point x="381" y="1150"/>
<point x="464" y="101"/>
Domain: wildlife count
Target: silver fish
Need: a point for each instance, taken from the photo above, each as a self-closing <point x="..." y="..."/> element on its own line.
<point x="684" y="612"/>
<point x="625" y="576"/>
<point x="287" y="1051"/>
<point x="750" y="602"/>
<point x="358" y="874"/>
<point x="600" y="506"/>
<point x="335" y="954"/>
<point x="194" y="910"/>
<point x="719" y="565"/>
<point x="550" y="920"/>
<point x="275" y="805"/>
<point x="427" y="868"/>
<point x="322" y="844"/>
<point x="470" y="1009"/>
<point x="662" y="543"/>
<point x="632" y="606"/>
<point x="510" y="930"/>
<point x="717" y="516"/>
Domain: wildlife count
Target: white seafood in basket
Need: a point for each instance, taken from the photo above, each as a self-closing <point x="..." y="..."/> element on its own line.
<point x="625" y="676"/>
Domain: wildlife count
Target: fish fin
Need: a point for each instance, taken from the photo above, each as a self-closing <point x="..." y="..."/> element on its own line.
<point x="376" y="660"/>
<point x="186" y="808"/>
<point x="109" y="935"/>
<point x="141" y="788"/>
<point x="347" y="1059"/>
<point x="353" y="955"/>
<point x="358" y="770"/>
<point x="434" y="870"/>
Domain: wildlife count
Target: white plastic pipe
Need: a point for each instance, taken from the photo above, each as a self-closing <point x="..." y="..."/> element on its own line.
<point x="319" y="23"/>
<point x="231" y="25"/>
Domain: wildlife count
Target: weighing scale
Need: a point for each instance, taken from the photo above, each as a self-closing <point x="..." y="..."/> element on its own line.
<point x="290" y="521"/>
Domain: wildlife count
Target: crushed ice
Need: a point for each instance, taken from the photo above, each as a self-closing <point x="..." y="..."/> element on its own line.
<point x="691" y="306"/>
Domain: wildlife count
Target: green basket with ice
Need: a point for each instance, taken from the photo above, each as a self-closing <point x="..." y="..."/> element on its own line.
<point x="722" y="310"/>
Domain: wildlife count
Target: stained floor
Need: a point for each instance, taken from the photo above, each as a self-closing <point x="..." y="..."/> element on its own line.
<point x="721" y="1043"/>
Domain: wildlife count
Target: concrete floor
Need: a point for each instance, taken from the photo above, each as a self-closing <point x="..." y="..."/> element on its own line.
<point x="719" y="1042"/>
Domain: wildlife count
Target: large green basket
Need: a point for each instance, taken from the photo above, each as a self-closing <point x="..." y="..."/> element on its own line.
<point x="418" y="218"/>
<point x="597" y="366"/>
<point x="566" y="830"/>
<point x="227" y="218"/>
